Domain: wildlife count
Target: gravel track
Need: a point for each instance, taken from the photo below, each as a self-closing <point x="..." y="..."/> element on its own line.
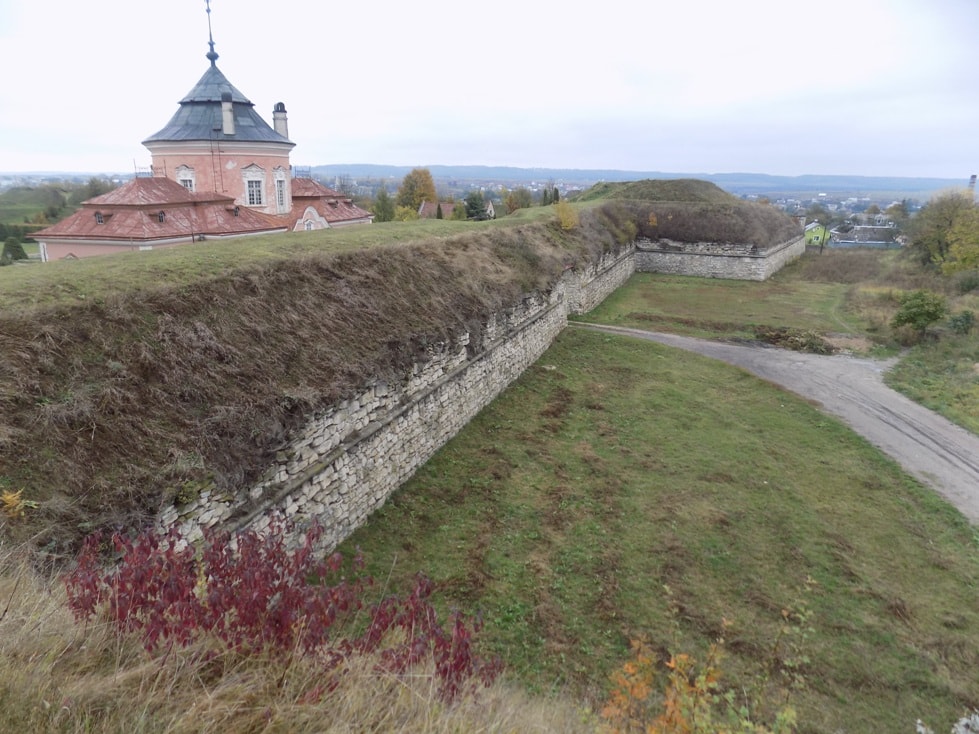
<point x="939" y="453"/>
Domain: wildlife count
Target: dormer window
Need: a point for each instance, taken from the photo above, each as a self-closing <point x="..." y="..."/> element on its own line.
<point x="236" y="210"/>
<point x="161" y="217"/>
<point x="308" y="225"/>
<point x="99" y="219"/>
<point x="186" y="177"/>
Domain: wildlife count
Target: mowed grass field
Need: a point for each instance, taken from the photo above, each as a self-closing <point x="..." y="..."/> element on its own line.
<point x="709" y="307"/>
<point x="623" y="490"/>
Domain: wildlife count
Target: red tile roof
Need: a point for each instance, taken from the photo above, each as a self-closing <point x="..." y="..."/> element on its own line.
<point x="429" y="209"/>
<point x="306" y="187"/>
<point x="133" y="212"/>
<point x="333" y="206"/>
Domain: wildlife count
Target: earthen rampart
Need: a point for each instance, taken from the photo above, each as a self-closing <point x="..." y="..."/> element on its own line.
<point x="348" y="460"/>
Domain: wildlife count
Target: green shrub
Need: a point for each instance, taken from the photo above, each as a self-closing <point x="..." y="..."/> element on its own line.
<point x="962" y="322"/>
<point x="967" y="282"/>
<point x="919" y="309"/>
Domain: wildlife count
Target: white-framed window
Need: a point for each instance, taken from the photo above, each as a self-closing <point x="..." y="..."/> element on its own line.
<point x="186" y="178"/>
<point x="254" y="185"/>
<point x="161" y="217"/>
<point x="255" y="193"/>
<point x="308" y="226"/>
<point x="280" y="194"/>
<point x="99" y="219"/>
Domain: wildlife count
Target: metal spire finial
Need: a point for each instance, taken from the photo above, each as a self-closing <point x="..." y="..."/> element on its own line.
<point x="211" y="55"/>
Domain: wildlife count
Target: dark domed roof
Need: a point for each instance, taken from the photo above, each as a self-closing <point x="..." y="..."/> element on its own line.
<point x="199" y="116"/>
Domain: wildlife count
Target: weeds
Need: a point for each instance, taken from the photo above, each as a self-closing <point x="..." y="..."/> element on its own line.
<point x="254" y="596"/>
<point x="13" y="504"/>
<point x="690" y="698"/>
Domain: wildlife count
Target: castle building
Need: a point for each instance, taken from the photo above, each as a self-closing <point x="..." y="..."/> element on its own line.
<point x="218" y="170"/>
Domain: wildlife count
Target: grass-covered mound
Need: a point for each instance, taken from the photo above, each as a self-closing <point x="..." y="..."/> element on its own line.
<point x="654" y="189"/>
<point x="131" y="378"/>
<point x="689" y="210"/>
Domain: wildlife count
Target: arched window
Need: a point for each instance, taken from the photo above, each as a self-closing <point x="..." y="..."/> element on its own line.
<point x="161" y="217"/>
<point x="308" y="225"/>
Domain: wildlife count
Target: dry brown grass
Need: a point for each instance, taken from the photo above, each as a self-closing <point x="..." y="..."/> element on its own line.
<point x="112" y="405"/>
<point x="58" y="676"/>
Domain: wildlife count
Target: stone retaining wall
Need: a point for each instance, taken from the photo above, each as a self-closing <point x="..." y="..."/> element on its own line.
<point x="347" y="461"/>
<point x="716" y="260"/>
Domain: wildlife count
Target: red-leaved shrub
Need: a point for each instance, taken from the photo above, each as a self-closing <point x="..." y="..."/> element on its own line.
<point x="255" y="594"/>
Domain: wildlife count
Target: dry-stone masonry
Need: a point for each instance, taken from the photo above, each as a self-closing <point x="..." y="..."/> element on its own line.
<point x="716" y="259"/>
<point x="348" y="460"/>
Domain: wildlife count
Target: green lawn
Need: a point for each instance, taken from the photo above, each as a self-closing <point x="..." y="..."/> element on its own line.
<point x="728" y="308"/>
<point x="615" y="468"/>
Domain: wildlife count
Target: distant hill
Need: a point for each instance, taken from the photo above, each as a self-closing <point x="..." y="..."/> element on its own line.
<point x="741" y="184"/>
<point x="683" y="189"/>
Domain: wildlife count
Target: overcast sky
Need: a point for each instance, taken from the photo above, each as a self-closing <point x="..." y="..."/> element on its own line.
<point x="863" y="87"/>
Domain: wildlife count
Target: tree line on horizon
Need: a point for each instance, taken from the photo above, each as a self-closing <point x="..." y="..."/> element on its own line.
<point x="418" y="186"/>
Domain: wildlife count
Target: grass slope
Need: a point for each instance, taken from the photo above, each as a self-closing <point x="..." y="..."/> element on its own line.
<point x="614" y="469"/>
<point x="681" y="189"/>
<point x="131" y="379"/>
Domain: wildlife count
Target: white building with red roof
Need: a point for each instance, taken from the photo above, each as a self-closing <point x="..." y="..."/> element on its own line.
<point x="218" y="171"/>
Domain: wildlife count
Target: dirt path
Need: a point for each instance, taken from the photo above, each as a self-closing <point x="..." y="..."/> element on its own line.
<point x="939" y="453"/>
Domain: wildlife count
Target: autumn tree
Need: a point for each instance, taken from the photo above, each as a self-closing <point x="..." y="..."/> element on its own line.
<point x="963" y="243"/>
<point x="417" y="186"/>
<point x="931" y="227"/>
<point x="405" y="214"/>
<point x="567" y="215"/>
<point x="383" y="206"/>
<point x="519" y="198"/>
<point x="898" y="213"/>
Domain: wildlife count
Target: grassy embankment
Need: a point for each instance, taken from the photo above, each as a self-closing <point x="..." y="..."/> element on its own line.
<point x="614" y="468"/>
<point x="846" y="296"/>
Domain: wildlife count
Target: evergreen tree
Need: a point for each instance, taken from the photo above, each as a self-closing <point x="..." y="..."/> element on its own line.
<point x="438" y="211"/>
<point x="545" y="199"/>
<point x="556" y="196"/>
<point x="12" y="250"/>
<point x="475" y="205"/>
<point x="383" y="206"/>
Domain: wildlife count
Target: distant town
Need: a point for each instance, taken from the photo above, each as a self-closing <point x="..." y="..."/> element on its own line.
<point x="839" y="195"/>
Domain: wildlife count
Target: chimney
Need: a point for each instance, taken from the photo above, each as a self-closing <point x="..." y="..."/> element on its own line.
<point x="227" y="114"/>
<point x="279" y="121"/>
